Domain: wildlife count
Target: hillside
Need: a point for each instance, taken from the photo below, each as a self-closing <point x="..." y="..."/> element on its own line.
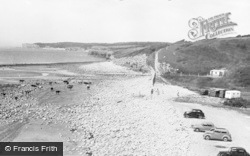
<point x="119" y="50"/>
<point x="190" y="58"/>
<point x="117" y="47"/>
<point x="202" y="56"/>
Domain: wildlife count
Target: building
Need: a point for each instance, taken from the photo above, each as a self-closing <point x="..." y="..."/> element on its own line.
<point x="230" y="94"/>
<point x="218" y="72"/>
<point x="217" y="92"/>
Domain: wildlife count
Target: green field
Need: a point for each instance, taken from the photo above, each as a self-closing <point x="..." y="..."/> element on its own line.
<point x="40" y="56"/>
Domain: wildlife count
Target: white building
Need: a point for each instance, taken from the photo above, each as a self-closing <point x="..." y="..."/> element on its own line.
<point x="218" y="72"/>
<point x="230" y="94"/>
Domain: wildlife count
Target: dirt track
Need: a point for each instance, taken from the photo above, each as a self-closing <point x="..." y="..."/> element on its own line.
<point x="119" y="117"/>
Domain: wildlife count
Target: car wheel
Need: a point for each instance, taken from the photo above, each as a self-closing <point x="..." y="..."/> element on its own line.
<point x="196" y="129"/>
<point x="225" y="139"/>
<point x="200" y="117"/>
<point x="207" y="137"/>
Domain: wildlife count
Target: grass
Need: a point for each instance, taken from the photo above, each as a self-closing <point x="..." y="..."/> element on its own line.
<point x="202" y="56"/>
<point x="128" y="50"/>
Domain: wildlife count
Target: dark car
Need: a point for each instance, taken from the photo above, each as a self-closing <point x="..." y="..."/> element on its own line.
<point x="194" y="113"/>
<point x="234" y="151"/>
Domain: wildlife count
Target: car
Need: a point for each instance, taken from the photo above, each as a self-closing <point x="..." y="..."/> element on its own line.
<point x="217" y="134"/>
<point x="234" y="151"/>
<point x="202" y="127"/>
<point x="194" y="113"/>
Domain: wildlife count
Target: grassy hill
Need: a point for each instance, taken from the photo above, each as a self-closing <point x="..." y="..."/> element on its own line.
<point x="119" y="50"/>
<point x="188" y="57"/>
<point x="112" y="46"/>
<point x="202" y="56"/>
<point x="138" y="50"/>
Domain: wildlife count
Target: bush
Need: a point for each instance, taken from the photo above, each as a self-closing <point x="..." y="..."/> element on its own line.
<point x="237" y="102"/>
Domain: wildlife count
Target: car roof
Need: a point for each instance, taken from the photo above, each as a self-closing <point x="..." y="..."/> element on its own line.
<point x="238" y="148"/>
<point x="196" y="109"/>
<point x="221" y="129"/>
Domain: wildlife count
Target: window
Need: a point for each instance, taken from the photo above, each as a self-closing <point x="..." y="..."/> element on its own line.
<point x="241" y="151"/>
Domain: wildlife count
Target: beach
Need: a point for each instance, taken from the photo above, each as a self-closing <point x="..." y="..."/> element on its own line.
<point x="117" y="115"/>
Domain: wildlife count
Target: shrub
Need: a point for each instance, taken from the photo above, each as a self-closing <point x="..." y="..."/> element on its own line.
<point x="237" y="102"/>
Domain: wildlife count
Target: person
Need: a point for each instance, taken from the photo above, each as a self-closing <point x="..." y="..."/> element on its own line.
<point x="158" y="91"/>
<point x="152" y="92"/>
<point x="178" y="94"/>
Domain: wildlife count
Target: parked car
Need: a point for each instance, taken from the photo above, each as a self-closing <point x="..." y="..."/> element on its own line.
<point x="217" y="134"/>
<point x="202" y="127"/>
<point x="234" y="151"/>
<point x="194" y="113"/>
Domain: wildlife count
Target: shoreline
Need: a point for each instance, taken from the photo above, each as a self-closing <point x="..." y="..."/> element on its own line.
<point x="42" y="64"/>
<point x="118" y="116"/>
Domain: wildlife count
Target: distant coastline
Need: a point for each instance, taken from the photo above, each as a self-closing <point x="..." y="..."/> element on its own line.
<point x="41" y="64"/>
<point x="24" y="57"/>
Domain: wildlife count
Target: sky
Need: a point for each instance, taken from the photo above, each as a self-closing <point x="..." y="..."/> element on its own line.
<point x="109" y="21"/>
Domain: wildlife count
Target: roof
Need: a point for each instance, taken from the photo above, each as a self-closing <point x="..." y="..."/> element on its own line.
<point x="217" y="89"/>
<point x="232" y="91"/>
<point x="196" y="109"/>
<point x="222" y="129"/>
<point x="218" y="69"/>
<point x="238" y="147"/>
